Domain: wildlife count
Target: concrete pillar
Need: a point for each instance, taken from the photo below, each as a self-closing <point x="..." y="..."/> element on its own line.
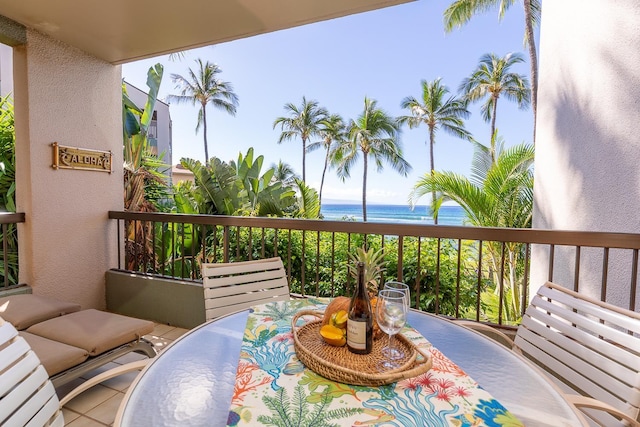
<point x="587" y="166"/>
<point x="66" y="96"/>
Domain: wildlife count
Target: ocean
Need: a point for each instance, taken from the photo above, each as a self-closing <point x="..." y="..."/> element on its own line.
<point x="449" y="215"/>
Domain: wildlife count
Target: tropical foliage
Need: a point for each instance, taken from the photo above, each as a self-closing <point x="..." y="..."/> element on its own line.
<point x="461" y="11"/>
<point x="493" y="79"/>
<point x="238" y="188"/>
<point x="303" y="121"/>
<point x="498" y="194"/>
<point x="374" y="134"/>
<point x="203" y="87"/>
<point x="437" y="111"/>
<point x="7" y="156"/>
<point x="284" y="173"/>
<point x="328" y="274"/>
<point x="8" y="239"/>
<point x="144" y="181"/>
<point x="332" y="131"/>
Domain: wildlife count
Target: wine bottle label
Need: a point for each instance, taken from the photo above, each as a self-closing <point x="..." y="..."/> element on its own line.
<point x="357" y="334"/>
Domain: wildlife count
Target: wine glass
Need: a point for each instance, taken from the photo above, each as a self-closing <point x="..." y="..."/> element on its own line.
<point x="391" y="313"/>
<point x="402" y="287"/>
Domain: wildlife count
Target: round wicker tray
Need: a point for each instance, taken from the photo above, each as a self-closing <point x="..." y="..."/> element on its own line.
<point x="340" y="365"/>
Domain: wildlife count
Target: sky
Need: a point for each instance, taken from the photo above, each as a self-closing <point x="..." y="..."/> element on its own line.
<point x="382" y="55"/>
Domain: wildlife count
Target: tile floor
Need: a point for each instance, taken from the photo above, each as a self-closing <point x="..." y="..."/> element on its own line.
<point x="97" y="406"/>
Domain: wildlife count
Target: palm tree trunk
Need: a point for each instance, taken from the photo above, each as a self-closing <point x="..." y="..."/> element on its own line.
<point x="304" y="160"/>
<point x="326" y="162"/>
<point x="493" y="130"/>
<point x="204" y="123"/>
<point x="533" y="60"/>
<point x="364" y="188"/>
<point x="433" y="172"/>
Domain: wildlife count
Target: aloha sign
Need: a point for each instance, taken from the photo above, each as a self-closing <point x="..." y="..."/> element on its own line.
<point x="81" y="158"/>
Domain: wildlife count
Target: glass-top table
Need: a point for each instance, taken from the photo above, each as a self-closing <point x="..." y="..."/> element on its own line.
<point x="191" y="382"/>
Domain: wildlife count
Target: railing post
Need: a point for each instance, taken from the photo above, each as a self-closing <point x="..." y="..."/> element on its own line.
<point x="5" y="254"/>
<point x="225" y="244"/>
<point x="400" y="257"/>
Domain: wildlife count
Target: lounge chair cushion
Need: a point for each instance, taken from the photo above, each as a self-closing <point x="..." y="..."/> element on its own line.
<point x="54" y="356"/>
<point x="25" y="310"/>
<point x="93" y="330"/>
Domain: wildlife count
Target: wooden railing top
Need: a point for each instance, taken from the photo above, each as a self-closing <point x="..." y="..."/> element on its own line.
<point x="11" y="218"/>
<point x="518" y="235"/>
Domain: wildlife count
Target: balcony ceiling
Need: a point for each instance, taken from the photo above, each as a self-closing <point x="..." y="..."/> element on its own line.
<point x="120" y="31"/>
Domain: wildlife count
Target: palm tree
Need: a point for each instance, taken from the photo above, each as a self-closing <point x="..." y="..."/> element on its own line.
<point x="303" y="121"/>
<point x="492" y="79"/>
<point x="498" y="194"/>
<point x="461" y="11"/>
<point x="437" y="113"/>
<point x="204" y="87"/>
<point x="374" y="134"/>
<point x="284" y="173"/>
<point x="332" y="131"/>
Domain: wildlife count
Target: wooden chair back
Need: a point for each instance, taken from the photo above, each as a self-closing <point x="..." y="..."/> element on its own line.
<point x="27" y="397"/>
<point x="589" y="347"/>
<point x="234" y="286"/>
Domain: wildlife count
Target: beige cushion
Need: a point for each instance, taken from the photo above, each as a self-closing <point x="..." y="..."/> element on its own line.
<point x="25" y="310"/>
<point x="93" y="330"/>
<point x="54" y="356"/>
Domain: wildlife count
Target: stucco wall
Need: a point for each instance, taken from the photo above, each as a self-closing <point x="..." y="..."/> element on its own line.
<point x="67" y="242"/>
<point x="6" y="70"/>
<point x="587" y="166"/>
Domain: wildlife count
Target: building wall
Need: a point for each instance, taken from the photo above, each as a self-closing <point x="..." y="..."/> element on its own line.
<point x="587" y="166"/>
<point x="67" y="242"/>
<point x="6" y="70"/>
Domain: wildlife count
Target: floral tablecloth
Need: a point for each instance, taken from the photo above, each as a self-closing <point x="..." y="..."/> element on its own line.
<point x="273" y="388"/>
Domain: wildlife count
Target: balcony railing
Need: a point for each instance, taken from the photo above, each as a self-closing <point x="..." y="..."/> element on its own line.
<point x="9" y="249"/>
<point x="464" y="272"/>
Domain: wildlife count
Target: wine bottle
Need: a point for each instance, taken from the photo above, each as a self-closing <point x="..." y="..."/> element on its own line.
<point x="360" y="321"/>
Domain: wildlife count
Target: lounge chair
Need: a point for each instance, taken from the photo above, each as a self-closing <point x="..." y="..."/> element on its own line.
<point x="70" y="342"/>
<point x="27" y="396"/>
<point x="234" y="286"/>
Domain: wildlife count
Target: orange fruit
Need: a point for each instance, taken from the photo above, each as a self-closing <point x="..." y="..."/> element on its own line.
<point x="333" y="336"/>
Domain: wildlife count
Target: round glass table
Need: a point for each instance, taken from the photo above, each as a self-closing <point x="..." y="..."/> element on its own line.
<point x="191" y="382"/>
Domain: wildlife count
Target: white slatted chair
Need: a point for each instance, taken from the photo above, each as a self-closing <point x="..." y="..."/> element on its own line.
<point x="589" y="348"/>
<point x="27" y="396"/>
<point x="234" y="286"/>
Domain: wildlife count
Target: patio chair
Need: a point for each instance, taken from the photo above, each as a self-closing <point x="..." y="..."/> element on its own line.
<point x="234" y="286"/>
<point x="27" y="396"/>
<point x="589" y="348"/>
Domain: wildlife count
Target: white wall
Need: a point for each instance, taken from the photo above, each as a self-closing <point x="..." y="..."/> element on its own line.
<point x="6" y="70"/>
<point x="67" y="242"/>
<point x="587" y="166"/>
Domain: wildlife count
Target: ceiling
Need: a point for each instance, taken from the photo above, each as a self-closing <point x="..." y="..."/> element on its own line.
<point x="120" y="31"/>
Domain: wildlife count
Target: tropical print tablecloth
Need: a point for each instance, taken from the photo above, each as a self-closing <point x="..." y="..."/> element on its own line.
<point x="273" y="388"/>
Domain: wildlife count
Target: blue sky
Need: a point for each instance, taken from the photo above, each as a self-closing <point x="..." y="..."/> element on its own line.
<point x="381" y="54"/>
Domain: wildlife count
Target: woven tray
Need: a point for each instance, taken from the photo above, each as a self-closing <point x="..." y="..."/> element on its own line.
<point x="340" y="365"/>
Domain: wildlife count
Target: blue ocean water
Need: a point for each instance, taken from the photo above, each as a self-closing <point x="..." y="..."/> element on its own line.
<point x="449" y="215"/>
